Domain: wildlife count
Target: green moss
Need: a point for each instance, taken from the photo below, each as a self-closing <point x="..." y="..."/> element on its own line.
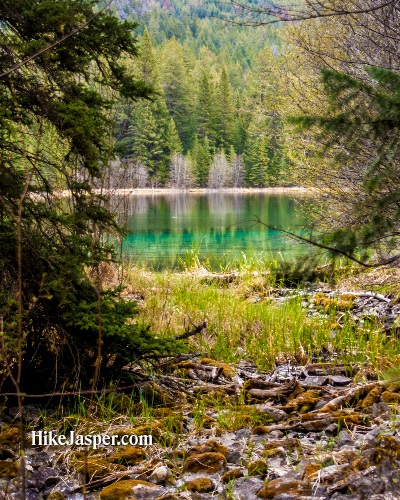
<point x="56" y="495"/>
<point x="8" y="469"/>
<point x="208" y="446"/>
<point x="257" y="468"/>
<point x="232" y="474"/>
<point x="95" y="467"/>
<point x="279" y="487"/>
<point x="131" y="455"/>
<point x="122" y="489"/>
<point x="205" y="462"/>
<point x="10" y="436"/>
<point x="200" y="485"/>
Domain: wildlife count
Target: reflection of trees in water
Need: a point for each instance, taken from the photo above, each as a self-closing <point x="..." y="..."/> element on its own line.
<point x="220" y="203"/>
<point x="181" y="204"/>
<point x="139" y="205"/>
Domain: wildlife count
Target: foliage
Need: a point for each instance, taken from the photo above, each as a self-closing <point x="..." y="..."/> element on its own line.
<point x="204" y="72"/>
<point x="364" y="121"/>
<point x="55" y="134"/>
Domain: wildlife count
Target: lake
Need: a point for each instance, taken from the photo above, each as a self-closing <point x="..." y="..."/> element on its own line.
<point x="219" y="227"/>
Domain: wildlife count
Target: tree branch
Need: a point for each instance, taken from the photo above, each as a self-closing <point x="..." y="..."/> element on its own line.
<point x="57" y="42"/>
<point x="331" y="249"/>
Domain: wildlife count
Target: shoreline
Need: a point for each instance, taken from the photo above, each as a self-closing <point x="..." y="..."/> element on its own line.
<point x="167" y="191"/>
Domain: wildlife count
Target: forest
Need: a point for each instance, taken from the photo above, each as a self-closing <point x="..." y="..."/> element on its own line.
<point x="214" y="120"/>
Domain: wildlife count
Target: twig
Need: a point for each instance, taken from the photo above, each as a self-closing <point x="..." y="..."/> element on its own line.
<point x="190" y="333"/>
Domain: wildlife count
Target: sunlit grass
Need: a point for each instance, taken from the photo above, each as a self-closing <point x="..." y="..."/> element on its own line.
<point x="244" y="321"/>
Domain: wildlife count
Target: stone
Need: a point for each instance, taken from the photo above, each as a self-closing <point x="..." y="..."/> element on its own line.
<point x="276" y="457"/>
<point x="232" y="474"/>
<point x="208" y="446"/>
<point x="291" y="488"/>
<point x="257" y="468"/>
<point x="344" y="438"/>
<point x="205" y="462"/>
<point x="275" y="413"/>
<point x="160" y="475"/>
<point x="124" y="489"/>
<point x="332" y="473"/>
<point x="246" y="488"/>
<point x="200" y="485"/>
<point x="243" y="434"/>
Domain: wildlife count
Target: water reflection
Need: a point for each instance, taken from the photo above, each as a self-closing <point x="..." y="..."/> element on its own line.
<point x="217" y="226"/>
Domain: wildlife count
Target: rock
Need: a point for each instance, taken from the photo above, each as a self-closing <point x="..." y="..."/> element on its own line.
<point x="332" y="473"/>
<point x="201" y="485"/>
<point x="232" y="474"/>
<point x="276" y="457"/>
<point x="243" y="434"/>
<point x="275" y="413"/>
<point x="340" y="380"/>
<point x="291" y="488"/>
<point x="66" y="486"/>
<point x="145" y="492"/>
<point x="160" y="475"/>
<point x="123" y="489"/>
<point x="131" y="455"/>
<point x="310" y="472"/>
<point x="343" y="438"/>
<point x="257" y="468"/>
<point x="246" y="488"/>
<point x="208" y="446"/>
<point x="208" y="462"/>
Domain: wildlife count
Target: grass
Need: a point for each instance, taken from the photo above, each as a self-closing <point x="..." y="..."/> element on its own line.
<point x="244" y="321"/>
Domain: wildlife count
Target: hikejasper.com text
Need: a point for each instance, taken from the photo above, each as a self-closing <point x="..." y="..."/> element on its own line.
<point x="50" y="438"/>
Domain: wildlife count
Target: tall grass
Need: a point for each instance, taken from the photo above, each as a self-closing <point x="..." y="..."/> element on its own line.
<point x="245" y="321"/>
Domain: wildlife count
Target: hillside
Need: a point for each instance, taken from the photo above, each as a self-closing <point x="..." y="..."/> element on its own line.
<point x="213" y="122"/>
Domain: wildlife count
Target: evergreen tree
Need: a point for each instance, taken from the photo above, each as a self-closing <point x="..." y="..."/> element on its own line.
<point x="256" y="157"/>
<point x="224" y="113"/>
<point x="178" y="91"/>
<point x="173" y="141"/>
<point x="206" y="119"/>
<point x="55" y="124"/>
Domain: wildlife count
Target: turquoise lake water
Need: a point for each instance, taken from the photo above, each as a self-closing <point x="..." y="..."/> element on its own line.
<point x="165" y="230"/>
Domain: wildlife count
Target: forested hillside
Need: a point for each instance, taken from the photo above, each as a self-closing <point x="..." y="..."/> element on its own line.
<point x="214" y="121"/>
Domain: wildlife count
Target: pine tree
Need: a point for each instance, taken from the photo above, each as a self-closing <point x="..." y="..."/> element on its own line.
<point x="256" y="157"/>
<point x="173" y="141"/>
<point x="55" y="124"/>
<point x="178" y="91"/>
<point x="206" y="119"/>
<point x="224" y="113"/>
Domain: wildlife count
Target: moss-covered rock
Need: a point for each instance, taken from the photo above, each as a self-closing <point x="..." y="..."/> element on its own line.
<point x="371" y="398"/>
<point x="257" y="468"/>
<point x="208" y="462"/>
<point x="232" y="474"/>
<point x="200" y="485"/>
<point x="227" y="370"/>
<point x="131" y="455"/>
<point x="95" y="466"/>
<point x="390" y="397"/>
<point x="282" y="487"/>
<point x="208" y="446"/>
<point x="260" y="429"/>
<point x="8" y="469"/>
<point x="55" y="495"/>
<point x="10" y="436"/>
<point x="122" y="489"/>
<point x="310" y="472"/>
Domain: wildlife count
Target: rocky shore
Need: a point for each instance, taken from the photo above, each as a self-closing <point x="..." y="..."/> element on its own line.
<point x="327" y="430"/>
